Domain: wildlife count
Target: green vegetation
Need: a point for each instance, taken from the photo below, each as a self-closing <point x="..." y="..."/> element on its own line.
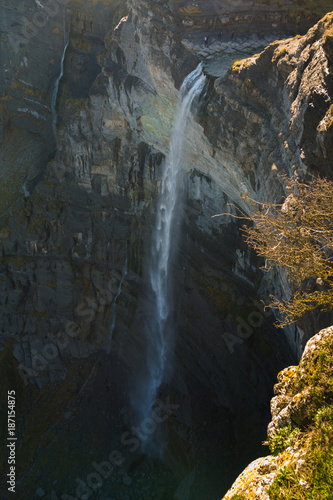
<point x="285" y="480"/>
<point x="284" y="438"/>
<point x="315" y="480"/>
<point x="279" y="54"/>
<point x="319" y="377"/>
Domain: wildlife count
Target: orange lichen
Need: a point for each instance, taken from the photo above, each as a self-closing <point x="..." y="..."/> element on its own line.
<point x="190" y="10"/>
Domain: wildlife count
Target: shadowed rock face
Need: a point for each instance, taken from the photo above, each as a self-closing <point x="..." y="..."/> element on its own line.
<point x="75" y="241"/>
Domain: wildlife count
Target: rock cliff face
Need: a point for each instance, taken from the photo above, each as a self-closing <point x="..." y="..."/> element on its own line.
<point x="76" y="224"/>
<point x="253" y="15"/>
<point x="282" y="98"/>
<point x="302" y="395"/>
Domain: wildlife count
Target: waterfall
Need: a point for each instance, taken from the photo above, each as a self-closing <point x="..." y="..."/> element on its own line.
<point x="56" y="86"/>
<point x="160" y="331"/>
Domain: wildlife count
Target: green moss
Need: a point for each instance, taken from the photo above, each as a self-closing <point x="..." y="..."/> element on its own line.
<point x="317" y="382"/>
<point x="315" y="480"/>
<point x="319" y="376"/>
<point x="279" y="54"/>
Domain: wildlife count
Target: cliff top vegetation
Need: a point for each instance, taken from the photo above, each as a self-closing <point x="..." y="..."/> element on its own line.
<point x="297" y="235"/>
<point x="300" y="466"/>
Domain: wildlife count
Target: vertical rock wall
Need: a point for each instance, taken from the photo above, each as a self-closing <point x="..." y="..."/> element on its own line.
<point x="75" y="245"/>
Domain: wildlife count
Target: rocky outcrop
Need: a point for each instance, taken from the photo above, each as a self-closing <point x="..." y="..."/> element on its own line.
<point x="276" y="109"/>
<point x="301" y="394"/>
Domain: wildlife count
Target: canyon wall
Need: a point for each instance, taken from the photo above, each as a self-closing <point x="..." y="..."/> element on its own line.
<point x="77" y="212"/>
<point x="300" y="410"/>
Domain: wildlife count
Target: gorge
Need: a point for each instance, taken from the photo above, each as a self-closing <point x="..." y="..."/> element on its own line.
<point x="78" y="208"/>
<point x="160" y="336"/>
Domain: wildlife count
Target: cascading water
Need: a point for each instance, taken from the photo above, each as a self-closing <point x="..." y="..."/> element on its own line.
<point x="160" y="331"/>
<point x="56" y="86"/>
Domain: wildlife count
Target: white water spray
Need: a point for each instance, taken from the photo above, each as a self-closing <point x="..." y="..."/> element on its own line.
<point x="160" y="335"/>
<point x="56" y="86"/>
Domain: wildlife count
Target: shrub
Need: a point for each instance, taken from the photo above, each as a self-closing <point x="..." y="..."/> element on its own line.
<point x="315" y="481"/>
<point x="297" y="236"/>
<point x="284" y="438"/>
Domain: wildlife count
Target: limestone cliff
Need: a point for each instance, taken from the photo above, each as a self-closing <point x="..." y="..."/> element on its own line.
<point x="76" y="223"/>
<point x="276" y="111"/>
<point x="300" y="432"/>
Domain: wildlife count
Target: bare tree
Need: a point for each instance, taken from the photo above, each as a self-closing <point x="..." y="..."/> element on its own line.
<point x="297" y="236"/>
